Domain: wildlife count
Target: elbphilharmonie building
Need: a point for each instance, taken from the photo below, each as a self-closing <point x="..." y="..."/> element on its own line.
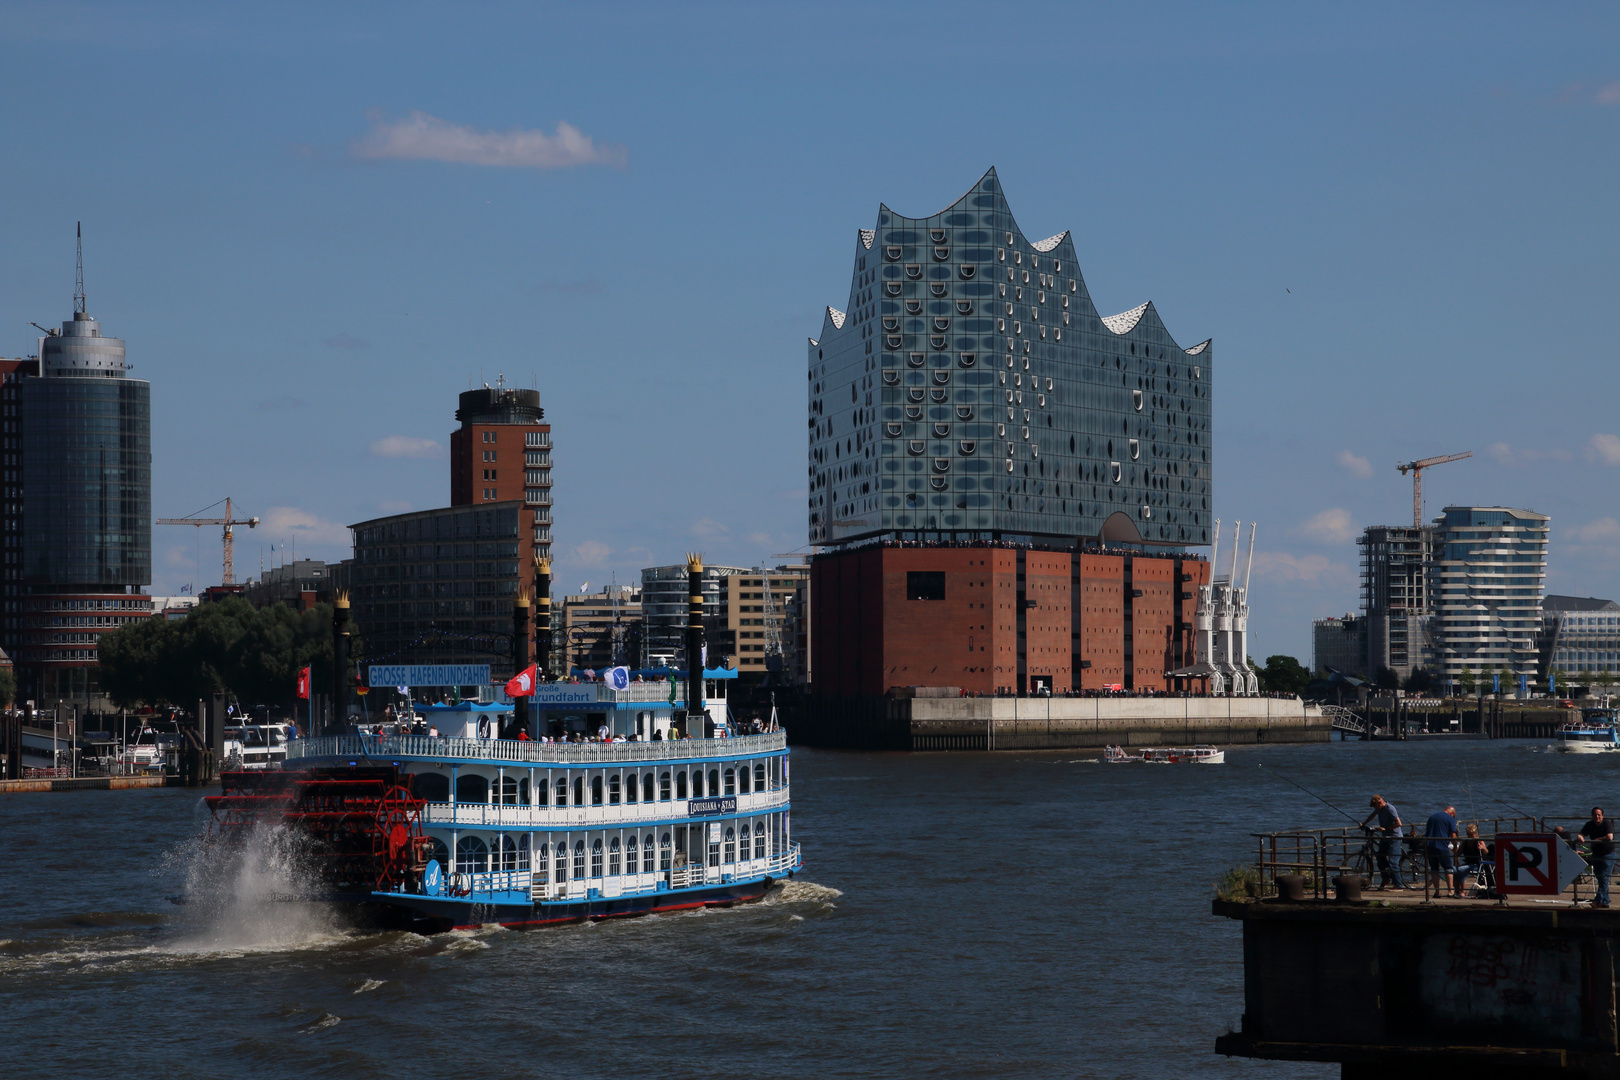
<point x="970" y="390"/>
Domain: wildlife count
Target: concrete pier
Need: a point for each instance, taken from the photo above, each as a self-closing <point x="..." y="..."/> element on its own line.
<point x="1432" y="990"/>
<point x="87" y="783"/>
<point x="1040" y="723"/>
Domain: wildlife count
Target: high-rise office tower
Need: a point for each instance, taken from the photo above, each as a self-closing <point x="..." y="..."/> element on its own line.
<point x="972" y="391"/>
<point x="1490" y="563"/>
<point x="1395" y="599"/>
<point x="87" y="505"/>
<point x="502" y="453"/>
<point x="12" y="374"/>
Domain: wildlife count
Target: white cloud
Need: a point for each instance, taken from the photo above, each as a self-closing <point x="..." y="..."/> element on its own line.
<point x="590" y="553"/>
<point x="1316" y="569"/>
<point x="1608" y="94"/>
<point x="301" y="525"/>
<point x="420" y="137"/>
<point x="1331" y="526"/>
<point x="406" y="446"/>
<point x="1583" y="93"/>
<point x="1604" y="448"/>
<point x="1518" y="455"/>
<point x="1355" y="464"/>
<point x="1602" y="531"/>
<point x="710" y="529"/>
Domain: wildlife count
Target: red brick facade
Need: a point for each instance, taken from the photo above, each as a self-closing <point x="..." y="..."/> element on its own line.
<point x="995" y="618"/>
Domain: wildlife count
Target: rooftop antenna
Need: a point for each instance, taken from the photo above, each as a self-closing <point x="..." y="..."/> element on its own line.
<point x="78" y="275"/>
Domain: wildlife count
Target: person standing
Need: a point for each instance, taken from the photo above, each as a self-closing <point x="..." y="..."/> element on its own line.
<point x="1440" y="830"/>
<point x="1599" y="833"/>
<point x="1389" y="831"/>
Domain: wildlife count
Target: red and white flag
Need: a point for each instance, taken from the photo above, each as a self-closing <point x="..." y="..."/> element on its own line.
<point x="522" y="684"/>
<point x="303" y="682"/>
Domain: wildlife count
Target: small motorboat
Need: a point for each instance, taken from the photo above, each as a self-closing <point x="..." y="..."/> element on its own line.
<point x="1190" y="755"/>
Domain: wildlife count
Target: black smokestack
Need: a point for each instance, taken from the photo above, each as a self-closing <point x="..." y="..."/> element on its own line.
<point x="340" y="660"/>
<point x="542" y="614"/>
<point x="520" y="657"/>
<point x="694" y="647"/>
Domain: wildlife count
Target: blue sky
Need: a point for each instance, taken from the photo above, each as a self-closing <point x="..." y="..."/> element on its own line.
<point x="316" y="224"/>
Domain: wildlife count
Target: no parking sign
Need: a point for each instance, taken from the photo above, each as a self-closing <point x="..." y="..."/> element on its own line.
<point x="1535" y="864"/>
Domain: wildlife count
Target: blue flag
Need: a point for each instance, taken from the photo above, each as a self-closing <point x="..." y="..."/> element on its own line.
<point x="1552" y="684"/>
<point x="1524" y="686"/>
<point x="1496" y="683"/>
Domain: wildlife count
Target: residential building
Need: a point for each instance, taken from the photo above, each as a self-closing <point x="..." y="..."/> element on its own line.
<point x="1580" y="636"/>
<point x="596" y="632"/>
<point x="1394" y="600"/>
<point x="1003" y="481"/>
<point x="502" y="453"/>
<point x="663" y="614"/>
<point x="302" y="584"/>
<point x="87" y="507"/>
<point x="1490" y="563"/>
<point x="437" y="586"/>
<point x="12" y="374"/>
<point x="762" y="640"/>
<point x="1338" y="644"/>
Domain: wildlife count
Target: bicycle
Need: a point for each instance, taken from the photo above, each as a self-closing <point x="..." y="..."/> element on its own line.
<point x="1407" y="860"/>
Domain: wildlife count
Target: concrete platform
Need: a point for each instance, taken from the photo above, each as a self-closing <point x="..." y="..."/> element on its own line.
<point x="1004" y="723"/>
<point x="88" y="783"/>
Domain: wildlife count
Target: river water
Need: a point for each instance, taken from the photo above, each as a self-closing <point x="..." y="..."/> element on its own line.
<point x="960" y="915"/>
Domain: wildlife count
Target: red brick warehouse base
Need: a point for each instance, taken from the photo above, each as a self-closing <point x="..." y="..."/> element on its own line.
<point x="988" y="618"/>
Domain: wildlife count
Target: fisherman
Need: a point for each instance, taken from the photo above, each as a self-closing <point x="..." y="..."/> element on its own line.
<point x="1599" y="833"/>
<point x="1440" y="830"/>
<point x="1389" y="826"/>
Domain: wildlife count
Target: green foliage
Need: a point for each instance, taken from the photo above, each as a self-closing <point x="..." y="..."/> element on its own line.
<point x="8" y="685"/>
<point x="1467" y="681"/>
<point x="1284" y="675"/>
<point x="227" y="645"/>
<point x="1237" y="883"/>
<point x="1420" y="680"/>
<point x="1386" y="679"/>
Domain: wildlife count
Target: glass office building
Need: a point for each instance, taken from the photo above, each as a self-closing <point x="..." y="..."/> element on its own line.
<point x="970" y="390"/>
<point x="1490" y="563"/>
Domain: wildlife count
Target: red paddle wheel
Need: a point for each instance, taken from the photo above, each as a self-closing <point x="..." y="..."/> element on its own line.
<point x="361" y="824"/>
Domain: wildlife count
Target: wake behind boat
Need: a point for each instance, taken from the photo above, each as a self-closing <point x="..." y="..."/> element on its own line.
<point x="1202" y="754"/>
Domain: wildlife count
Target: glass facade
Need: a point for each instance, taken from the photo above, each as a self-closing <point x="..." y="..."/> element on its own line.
<point x="971" y="390"/>
<point x="87" y="457"/>
<point x="1490" y="563"/>
<point x="1581" y="638"/>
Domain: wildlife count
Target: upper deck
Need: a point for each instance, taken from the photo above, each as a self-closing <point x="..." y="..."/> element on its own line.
<point x="512" y="751"/>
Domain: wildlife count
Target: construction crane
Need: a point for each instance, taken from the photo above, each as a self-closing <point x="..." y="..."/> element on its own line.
<point x="228" y="520"/>
<point x="1416" y="469"/>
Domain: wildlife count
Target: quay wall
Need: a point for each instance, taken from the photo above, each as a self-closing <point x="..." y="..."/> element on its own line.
<point x="87" y="783"/>
<point x="1059" y="723"/>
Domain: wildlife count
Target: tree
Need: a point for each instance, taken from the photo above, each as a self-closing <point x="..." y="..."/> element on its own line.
<point x="226" y="645"/>
<point x="1386" y="679"/>
<point x="1420" y="680"/>
<point x="1466" y="681"/>
<point x="1284" y="675"/>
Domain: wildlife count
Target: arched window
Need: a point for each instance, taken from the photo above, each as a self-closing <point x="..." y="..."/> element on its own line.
<point x="542" y="795"/>
<point x="560" y="786"/>
<point x="663" y="786"/>
<point x="596" y="858"/>
<point x="759" y="776"/>
<point x="647" y="788"/>
<point x="631" y="788"/>
<point x="742" y="840"/>
<point x="665" y="851"/>
<point x="472" y="788"/>
<point x="613" y="790"/>
<point x="514" y="853"/>
<point x="714" y="781"/>
<point x="680" y="785"/>
<point x="579" y="858"/>
<point x="731" y="845"/>
<point x="439" y="852"/>
<point x="523" y="791"/>
<point x="472" y="855"/>
<point x="507" y="791"/>
<point x="596" y="791"/>
<point x="731" y="781"/>
<point x="579" y="791"/>
<point x="714" y="852"/>
<point x="759" y="839"/>
<point x="431" y="787"/>
<point x="613" y="857"/>
<point x="631" y="851"/>
<point x="562" y="862"/>
<point x="542" y="865"/>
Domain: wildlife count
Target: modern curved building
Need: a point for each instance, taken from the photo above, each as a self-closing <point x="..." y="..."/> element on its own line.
<point x="87" y="506"/>
<point x="970" y="390"/>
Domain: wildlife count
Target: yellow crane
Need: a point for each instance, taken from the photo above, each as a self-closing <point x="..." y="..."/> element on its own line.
<point x="228" y="520"/>
<point x="1416" y="469"/>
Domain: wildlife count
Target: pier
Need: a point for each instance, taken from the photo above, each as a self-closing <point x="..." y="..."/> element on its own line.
<point x="1403" y="984"/>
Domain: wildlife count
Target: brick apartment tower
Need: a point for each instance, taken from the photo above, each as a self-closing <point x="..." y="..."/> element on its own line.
<point x="502" y="453"/>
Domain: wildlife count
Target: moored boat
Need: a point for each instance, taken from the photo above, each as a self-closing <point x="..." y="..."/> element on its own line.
<point x="1596" y="732"/>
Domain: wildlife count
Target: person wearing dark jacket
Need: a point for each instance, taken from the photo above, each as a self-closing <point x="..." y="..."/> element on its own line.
<point x="1599" y="834"/>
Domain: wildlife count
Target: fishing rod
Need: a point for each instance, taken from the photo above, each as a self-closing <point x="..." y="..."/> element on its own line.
<point x="1314" y="795"/>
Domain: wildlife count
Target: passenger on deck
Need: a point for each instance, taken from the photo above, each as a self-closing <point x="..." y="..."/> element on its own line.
<point x="1390" y="833"/>
<point x="1441" y="830"/>
<point x="1600" y="833"/>
<point x="433" y="732"/>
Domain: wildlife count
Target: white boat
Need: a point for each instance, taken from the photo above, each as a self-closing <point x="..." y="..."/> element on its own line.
<point x="1202" y="754"/>
<point x="1594" y="733"/>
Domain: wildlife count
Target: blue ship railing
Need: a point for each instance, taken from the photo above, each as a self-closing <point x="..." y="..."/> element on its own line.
<point x="392" y="747"/>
